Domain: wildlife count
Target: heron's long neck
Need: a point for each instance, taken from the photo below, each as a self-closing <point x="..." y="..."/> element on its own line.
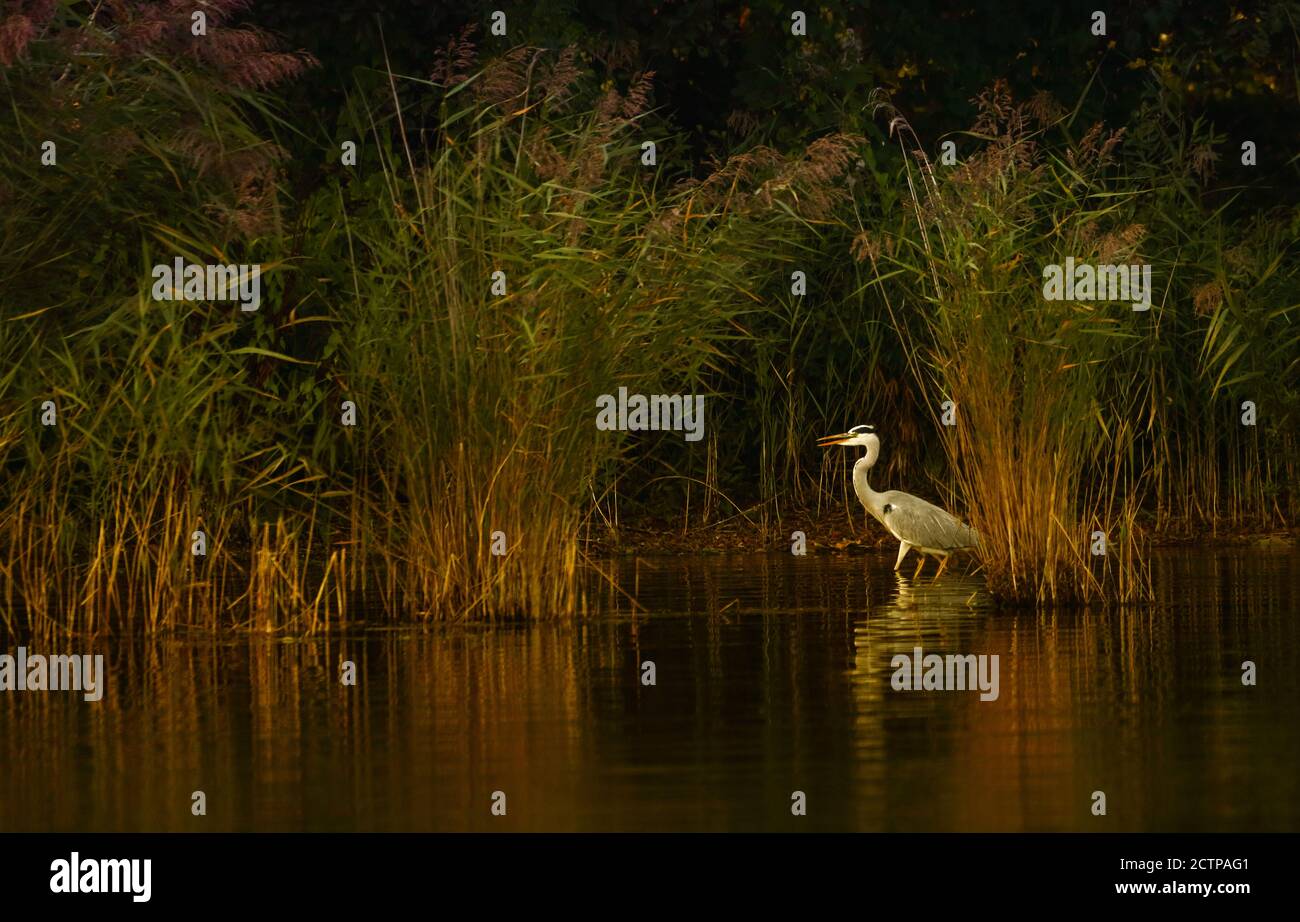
<point x="874" y="501"/>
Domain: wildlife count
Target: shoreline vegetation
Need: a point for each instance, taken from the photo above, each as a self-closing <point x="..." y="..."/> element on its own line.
<point x="825" y="533"/>
<point x="409" y="415"/>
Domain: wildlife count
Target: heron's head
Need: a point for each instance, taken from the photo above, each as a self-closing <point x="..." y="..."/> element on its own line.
<point x="858" y="435"/>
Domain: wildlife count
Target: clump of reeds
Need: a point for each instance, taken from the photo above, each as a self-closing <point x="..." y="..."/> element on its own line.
<point x="486" y="458"/>
<point x="161" y="426"/>
<point x="1229" y="332"/>
<point x="1023" y="376"/>
<point x="475" y="463"/>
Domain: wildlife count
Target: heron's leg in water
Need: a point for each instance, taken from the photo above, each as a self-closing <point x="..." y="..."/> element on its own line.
<point x="943" y="562"/>
<point x="902" y="552"/>
<point x="919" y="564"/>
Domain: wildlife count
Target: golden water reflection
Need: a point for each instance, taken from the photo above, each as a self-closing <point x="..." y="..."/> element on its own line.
<point x="772" y="676"/>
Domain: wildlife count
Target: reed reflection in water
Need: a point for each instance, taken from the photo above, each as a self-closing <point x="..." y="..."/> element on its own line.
<point x="773" y="675"/>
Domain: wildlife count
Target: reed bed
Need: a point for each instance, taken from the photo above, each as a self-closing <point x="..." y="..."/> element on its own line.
<point x="469" y="294"/>
<point x="502" y="254"/>
<point x="604" y="277"/>
<point x="1016" y="381"/>
<point x="1062" y="437"/>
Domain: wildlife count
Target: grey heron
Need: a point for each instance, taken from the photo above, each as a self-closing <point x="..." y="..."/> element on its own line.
<point x="914" y="522"/>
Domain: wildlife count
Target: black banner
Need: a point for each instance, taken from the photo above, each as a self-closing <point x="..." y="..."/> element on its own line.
<point x="330" y="871"/>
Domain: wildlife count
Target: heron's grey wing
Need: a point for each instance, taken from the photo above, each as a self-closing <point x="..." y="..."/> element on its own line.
<point x="924" y="524"/>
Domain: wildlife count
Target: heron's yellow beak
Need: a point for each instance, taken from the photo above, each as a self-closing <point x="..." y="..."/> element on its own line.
<point x="827" y="441"/>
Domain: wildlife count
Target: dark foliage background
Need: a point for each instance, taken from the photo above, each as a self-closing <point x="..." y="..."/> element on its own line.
<point x="724" y="72"/>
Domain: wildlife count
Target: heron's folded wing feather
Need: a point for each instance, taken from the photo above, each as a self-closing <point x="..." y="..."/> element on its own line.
<point x="924" y="524"/>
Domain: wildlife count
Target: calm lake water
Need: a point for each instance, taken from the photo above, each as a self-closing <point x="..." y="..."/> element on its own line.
<point x="773" y="676"/>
